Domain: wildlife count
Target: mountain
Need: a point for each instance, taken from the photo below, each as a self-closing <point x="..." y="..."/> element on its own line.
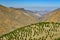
<point x="12" y="18"/>
<point x="32" y="13"/>
<point x="53" y="16"/>
<point x="37" y="31"/>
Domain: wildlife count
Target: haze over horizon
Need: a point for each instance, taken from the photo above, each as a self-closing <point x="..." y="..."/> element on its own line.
<point x="32" y="4"/>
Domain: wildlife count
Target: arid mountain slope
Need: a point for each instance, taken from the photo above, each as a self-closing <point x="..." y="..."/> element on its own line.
<point x="53" y="16"/>
<point x="11" y="19"/>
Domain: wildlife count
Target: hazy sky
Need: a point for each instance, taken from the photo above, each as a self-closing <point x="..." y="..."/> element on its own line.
<point x="30" y="3"/>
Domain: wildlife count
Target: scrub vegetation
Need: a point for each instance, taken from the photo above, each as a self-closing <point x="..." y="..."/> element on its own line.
<point x="38" y="31"/>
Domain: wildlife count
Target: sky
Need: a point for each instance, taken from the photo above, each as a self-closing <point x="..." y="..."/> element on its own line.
<point x="30" y="3"/>
<point x="33" y="5"/>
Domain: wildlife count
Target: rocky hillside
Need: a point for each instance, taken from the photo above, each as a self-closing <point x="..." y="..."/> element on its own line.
<point x="12" y="18"/>
<point x="38" y="31"/>
<point x="53" y="16"/>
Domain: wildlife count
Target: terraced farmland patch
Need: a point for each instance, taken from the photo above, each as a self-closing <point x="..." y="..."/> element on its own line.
<point x="38" y="31"/>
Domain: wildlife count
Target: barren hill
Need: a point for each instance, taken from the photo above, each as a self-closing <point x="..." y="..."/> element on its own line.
<point x="11" y="19"/>
<point x="53" y="16"/>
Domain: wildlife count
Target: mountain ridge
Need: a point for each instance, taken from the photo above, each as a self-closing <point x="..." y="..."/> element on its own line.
<point x="37" y="31"/>
<point x="11" y="19"/>
<point x="53" y="16"/>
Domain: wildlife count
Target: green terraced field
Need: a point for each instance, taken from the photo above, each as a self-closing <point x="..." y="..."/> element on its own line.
<point x="38" y="31"/>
